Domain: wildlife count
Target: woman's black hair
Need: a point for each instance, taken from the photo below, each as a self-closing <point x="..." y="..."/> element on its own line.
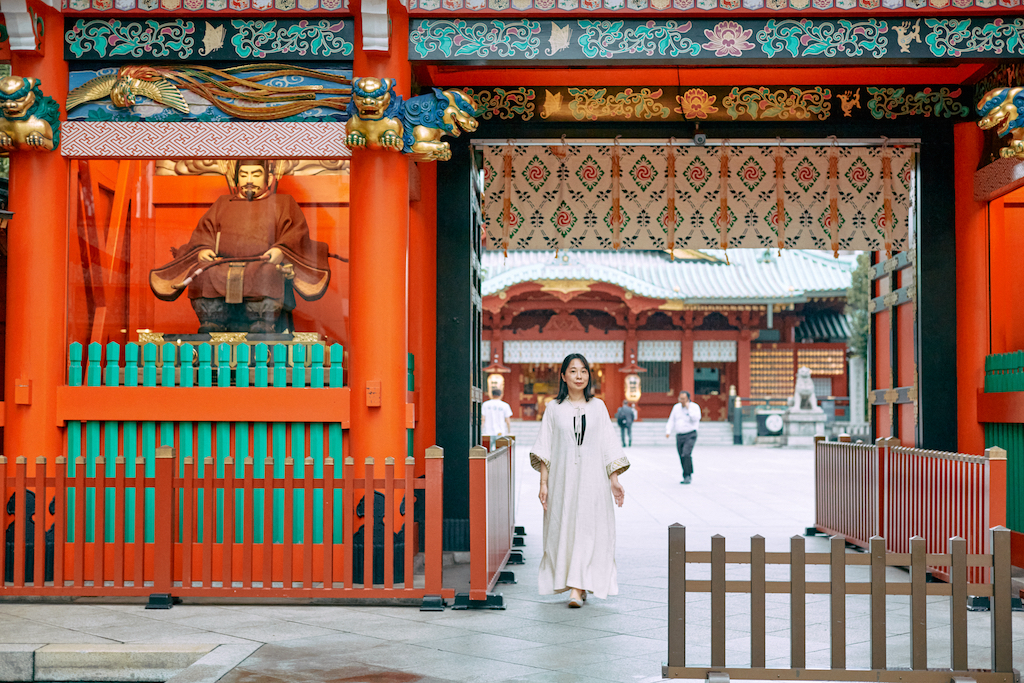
<point x="563" y="388"/>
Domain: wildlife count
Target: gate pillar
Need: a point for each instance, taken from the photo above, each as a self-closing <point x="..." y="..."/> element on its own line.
<point x="37" y="243"/>
<point x="378" y="249"/>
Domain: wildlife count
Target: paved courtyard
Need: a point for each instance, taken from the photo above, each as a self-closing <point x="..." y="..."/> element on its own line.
<point x="736" y="491"/>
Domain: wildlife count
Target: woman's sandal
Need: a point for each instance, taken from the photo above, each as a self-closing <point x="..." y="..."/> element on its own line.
<point x="576" y="602"/>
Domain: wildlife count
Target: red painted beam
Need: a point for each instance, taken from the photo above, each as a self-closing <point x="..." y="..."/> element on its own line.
<point x="1005" y="407"/>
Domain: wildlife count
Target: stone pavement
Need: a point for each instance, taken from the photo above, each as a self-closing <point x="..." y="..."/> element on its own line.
<point x="736" y="491"/>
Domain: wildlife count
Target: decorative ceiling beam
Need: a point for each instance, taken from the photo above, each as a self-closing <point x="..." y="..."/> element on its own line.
<point x="744" y="41"/>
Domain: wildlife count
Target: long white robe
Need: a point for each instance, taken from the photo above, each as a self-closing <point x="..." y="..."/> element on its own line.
<point x="579" y="525"/>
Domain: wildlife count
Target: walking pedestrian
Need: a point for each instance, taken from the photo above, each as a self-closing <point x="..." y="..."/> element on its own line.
<point x="579" y="464"/>
<point x="683" y="422"/>
<point x="625" y="416"/>
<point x="496" y="416"/>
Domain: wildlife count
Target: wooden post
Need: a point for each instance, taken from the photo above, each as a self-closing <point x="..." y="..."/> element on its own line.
<point x="478" y="523"/>
<point x="433" y="521"/>
<point x="677" y="595"/>
<point x="797" y="603"/>
<point x="757" y="602"/>
<point x="1002" y="623"/>
<point x="996" y="503"/>
<point x="918" y="604"/>
<point x="837" y="600"/>
<point x="876" y="550"/>
<point x="163" y="522"/>
<point x="957" y="603"/>
<point x="717" y="600"/>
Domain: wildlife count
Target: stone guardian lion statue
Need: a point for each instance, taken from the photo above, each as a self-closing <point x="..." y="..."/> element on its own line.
<point x="804" y="397"/>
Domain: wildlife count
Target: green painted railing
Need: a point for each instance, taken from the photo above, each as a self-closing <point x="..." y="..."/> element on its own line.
<point x="172" y="366"/>
<point x="1004" y="372"/>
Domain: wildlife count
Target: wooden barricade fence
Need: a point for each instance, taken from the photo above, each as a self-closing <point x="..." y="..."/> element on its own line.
<point x="883" y="489"/>
<point x="223" y="550"/>
<point x="846" y="488"/>
<point x="958" y="560"/>
<point x="492" y="516"/>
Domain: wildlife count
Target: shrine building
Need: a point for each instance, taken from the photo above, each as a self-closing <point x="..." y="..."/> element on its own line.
<point x="691" y="322"/>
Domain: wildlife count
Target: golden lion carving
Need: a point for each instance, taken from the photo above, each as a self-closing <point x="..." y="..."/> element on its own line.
<point x="31" y="121"/>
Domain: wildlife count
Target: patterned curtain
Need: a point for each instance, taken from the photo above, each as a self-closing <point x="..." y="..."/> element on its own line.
<point x="545" y="213"/>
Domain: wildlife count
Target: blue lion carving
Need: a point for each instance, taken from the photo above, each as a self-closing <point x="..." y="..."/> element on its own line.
<point x="380" y="119"/>
<point x="1003" y="109"/>
<point x="428" y="117"/>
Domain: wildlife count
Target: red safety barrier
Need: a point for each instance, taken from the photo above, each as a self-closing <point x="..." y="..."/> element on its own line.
<point x="886" y="490"/>
<point x="940" y="495"/>
<point x="491" y="518"/>
<point x="846" y="490"/>
<point x="223" y="549"/>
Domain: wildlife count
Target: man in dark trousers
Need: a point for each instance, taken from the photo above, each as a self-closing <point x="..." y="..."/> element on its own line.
<point x="625" y="416"/>
<point x="683" y="422"/>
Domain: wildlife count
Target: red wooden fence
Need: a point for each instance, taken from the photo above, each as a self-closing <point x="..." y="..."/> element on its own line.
<point x="184" y="560"/>
<point x="886" y="490"/>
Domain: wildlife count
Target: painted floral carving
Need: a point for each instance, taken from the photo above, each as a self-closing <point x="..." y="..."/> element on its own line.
<point x="954" y="37"/>
<point x="263" y="38"/>
<point x="458" y="38"/>
<point x="696" y="103"/>
<point x="765" y="103"/>
<point x="889" y="103"/>
<point x="595" y="103"/>
<point x="728" y="39"/>
<point x="806" y="38"/>
<point x="604" y="39"/>
<point x="504" y="103"/>
<point x="135" y="38"/>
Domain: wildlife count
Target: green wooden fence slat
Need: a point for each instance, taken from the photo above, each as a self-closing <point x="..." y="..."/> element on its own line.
<point x="74" y="435"/>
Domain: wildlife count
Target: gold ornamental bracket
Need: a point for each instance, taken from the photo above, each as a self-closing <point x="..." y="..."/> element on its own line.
<point x="380" y="119"/>
<point x="1003" y="109"/>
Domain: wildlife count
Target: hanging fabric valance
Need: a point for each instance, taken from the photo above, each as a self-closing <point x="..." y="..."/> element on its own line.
<point x="571" y="197"/>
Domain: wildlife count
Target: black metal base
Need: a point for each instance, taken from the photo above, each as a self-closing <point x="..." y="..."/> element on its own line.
<point x="519" y="531"/>
<point x="432" y="603"/>
<point x="506" y="577"/>
<point x="518" y="542"/>
<point x="162" y="601"/>
<point x="493" y="601"/>
<point x="977" y="603"/>
<point x="813" y="531"/>
<point x="515" y="557"/>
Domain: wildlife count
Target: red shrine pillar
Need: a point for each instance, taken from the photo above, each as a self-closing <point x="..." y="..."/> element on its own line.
<point x="37" y="244"/>
<point x="686" y="364"/>
<point x="379" y="240"/>
<point x="743" y="362"/>
<point x="423" y="308"/>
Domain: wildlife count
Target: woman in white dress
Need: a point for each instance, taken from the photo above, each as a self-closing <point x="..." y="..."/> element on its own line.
<point x="579" y="459"/>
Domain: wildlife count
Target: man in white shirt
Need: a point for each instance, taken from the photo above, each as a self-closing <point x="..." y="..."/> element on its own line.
<point x="683" y="422"/>
<point x="496" y="414"/>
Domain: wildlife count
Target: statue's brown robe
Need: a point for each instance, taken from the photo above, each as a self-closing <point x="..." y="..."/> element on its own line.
<point x="247" y="229"/>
